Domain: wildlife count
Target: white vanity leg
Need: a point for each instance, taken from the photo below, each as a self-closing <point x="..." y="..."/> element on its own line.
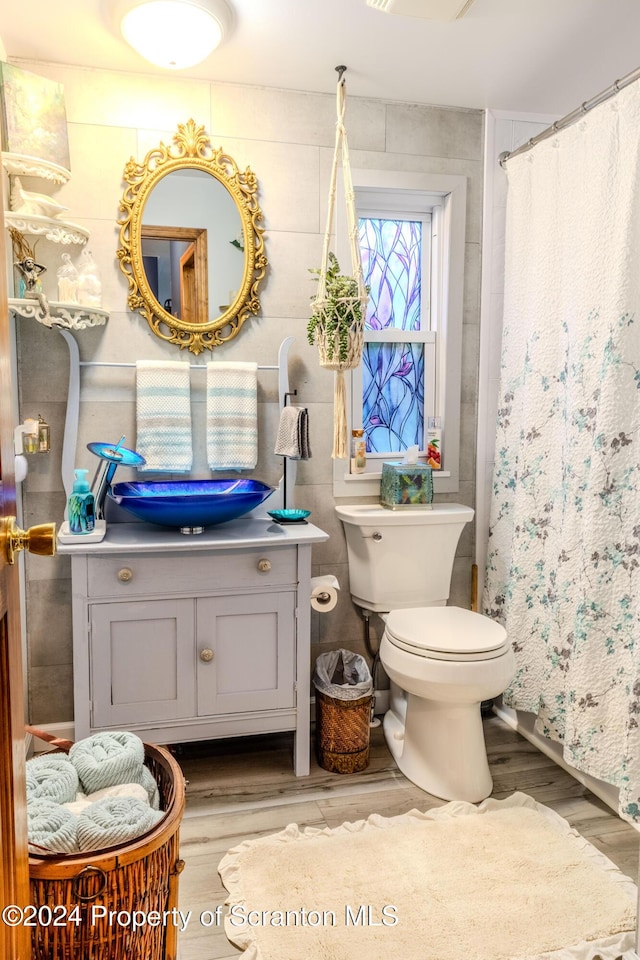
<point x="303" y="663"/>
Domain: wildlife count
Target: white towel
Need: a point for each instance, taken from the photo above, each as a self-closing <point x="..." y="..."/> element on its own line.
<point x="293" y="434"/>
<point x="84" y="800"/>
<point x="164" y="415"/>
<point x="232" y="416"/>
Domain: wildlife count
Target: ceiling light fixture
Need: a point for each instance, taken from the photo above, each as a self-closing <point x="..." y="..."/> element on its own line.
<point x="173" y="33"/>
<point x="425" y="9"/>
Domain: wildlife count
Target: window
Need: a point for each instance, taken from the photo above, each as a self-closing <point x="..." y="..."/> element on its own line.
<point x="394" y="390"/>
<point x="411" y="232"/>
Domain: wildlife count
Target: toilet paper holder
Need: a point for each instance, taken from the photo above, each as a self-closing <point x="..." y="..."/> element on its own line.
<point x="323" y="597"/>
<point x="324" y="593"/>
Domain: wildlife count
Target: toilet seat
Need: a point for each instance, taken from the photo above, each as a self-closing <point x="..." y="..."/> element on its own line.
<point x="446" y="633"/>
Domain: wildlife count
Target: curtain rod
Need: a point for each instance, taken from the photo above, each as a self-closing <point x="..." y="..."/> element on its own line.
<point x="573" y="116"/>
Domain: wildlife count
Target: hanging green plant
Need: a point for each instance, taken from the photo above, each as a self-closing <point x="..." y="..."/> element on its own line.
<point x="338" y="315"/>
<point x="338" y="310"/>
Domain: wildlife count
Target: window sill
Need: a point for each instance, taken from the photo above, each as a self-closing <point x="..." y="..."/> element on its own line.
<point x="368" y="484"/>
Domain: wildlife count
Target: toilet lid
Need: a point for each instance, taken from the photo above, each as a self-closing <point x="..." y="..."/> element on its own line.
<point x="446" y="632"/>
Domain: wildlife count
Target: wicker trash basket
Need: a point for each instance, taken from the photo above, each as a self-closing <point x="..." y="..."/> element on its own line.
<point x="100" y="891"/>
<point x="343" y="711"/>
<point x="342" y="733"/>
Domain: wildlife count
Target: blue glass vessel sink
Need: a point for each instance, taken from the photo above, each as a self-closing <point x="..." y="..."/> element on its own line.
<point x="190" y="503"/>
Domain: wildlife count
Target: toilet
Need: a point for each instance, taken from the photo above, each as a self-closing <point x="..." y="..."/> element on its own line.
<point x="442" y="661"/>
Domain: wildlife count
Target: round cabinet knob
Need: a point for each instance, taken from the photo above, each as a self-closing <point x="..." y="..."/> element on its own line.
<point x="206" y="655"/>
<point x="125" y="575"/>
<point x="264" y="566"/>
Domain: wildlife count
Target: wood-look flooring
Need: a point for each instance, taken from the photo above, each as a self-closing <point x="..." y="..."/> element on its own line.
<point x="241" y="789"/>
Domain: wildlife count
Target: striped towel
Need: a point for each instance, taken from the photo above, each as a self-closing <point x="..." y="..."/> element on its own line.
<point x="164" y="415"/>
<point x="232" y="416"/>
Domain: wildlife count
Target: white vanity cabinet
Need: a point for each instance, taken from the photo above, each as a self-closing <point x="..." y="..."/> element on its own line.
<point x="188" y="638"/>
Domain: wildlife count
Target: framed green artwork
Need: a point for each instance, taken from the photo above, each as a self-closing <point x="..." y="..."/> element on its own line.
<point x="34" y="120"/>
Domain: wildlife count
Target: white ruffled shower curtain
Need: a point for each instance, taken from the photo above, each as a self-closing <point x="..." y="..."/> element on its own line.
<point x="563" y="570"/>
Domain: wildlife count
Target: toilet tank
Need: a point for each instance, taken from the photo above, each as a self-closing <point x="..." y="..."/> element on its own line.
<point x="401" y="558"/>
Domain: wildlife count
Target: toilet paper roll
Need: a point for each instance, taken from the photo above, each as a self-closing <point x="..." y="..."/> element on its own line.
<point x="324" y="593"/>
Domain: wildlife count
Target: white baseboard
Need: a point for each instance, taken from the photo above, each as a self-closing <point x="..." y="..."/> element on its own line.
<point x="523" y="724"/>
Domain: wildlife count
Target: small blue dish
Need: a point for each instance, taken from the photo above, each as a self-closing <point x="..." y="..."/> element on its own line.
<point x="289" y="516"/>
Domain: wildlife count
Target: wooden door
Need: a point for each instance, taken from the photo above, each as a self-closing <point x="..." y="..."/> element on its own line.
<point x="14" y="878"/>
<point x="188" y="297"/>
<point x="190" y="281"/>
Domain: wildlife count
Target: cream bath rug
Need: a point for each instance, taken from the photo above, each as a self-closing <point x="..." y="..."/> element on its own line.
<point x="505" y="880"/>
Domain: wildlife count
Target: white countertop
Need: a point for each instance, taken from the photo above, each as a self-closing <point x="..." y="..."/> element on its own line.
<point x="150" y="538"/>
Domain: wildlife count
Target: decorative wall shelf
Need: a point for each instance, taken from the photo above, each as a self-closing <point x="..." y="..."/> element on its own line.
<point x="21" y="165"/>
<point x="58" y="231"/>
<point x="72" y="316"/>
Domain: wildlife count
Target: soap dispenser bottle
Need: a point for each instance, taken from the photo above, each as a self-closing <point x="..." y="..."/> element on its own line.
<point x="81" y="505"/>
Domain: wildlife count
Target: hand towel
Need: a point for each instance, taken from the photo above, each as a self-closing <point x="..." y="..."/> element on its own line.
<point x="232" y="416"/>
<point x="115" y="820"/>
<point x="106" y="759"/>
<point x="293" y="434"/>
<point x="164" y="416"/>
<point x="51" y="776"/>
<point x="50" y="825"/>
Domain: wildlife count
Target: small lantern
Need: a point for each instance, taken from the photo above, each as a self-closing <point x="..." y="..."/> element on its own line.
<point x="44" y="436"/>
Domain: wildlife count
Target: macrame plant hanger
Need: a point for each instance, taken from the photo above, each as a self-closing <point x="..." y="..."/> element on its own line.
<point x="351" y="307"/>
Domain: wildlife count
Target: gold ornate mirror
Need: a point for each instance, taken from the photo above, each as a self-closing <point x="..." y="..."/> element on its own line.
<point x="191" y="242"/>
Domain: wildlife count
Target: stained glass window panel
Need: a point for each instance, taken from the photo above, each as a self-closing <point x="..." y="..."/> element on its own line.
<point x="393" y="396"/>
<point x="391" y="253"/>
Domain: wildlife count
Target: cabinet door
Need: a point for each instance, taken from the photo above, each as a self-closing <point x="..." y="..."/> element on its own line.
<point x="252" y="639"/>
<point x="142" y="661"/>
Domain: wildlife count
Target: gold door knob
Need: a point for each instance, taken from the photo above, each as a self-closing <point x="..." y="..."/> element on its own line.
<point x="39" y="540"/>
<point x="125" y="575"/>
<point x="206" y="655"/>
<point x="264" y="566"/>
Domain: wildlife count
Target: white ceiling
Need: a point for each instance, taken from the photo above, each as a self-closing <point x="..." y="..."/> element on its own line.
<point x="536" y="56"/>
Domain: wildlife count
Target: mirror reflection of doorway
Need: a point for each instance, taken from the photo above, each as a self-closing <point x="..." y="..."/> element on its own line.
<point x="176" y="264"/>
<point x="188" y="285"/>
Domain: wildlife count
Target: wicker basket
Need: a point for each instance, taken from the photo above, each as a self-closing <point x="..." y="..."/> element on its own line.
<point x="141" y="875"/>
<point x="342" y="733"/>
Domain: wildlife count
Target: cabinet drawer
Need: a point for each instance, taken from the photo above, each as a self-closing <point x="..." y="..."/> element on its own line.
<point x="129" y="576"/>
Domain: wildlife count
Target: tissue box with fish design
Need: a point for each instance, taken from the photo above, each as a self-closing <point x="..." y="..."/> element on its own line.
<point x="406" y="485"/>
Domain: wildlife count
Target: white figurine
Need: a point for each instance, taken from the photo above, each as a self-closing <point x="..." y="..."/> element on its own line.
<point x="29" y="203"/>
